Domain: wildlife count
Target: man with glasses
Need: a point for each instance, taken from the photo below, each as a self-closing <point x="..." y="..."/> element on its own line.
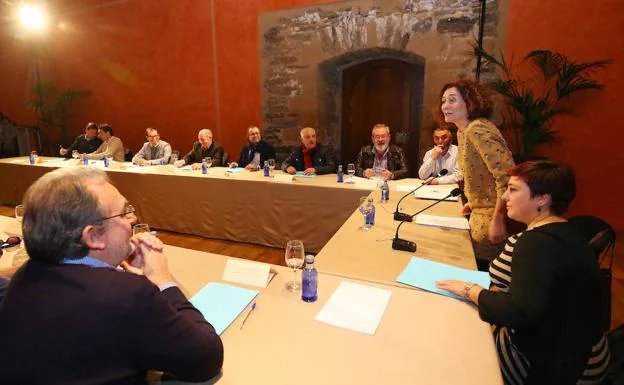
<point x="154" y="151"/>
<point x="84" y="144"/>
<point x="203" y="148"/>
<point x="71" y="315"/>
<point x="387" y="158"/>
<point x="255" y="152"/>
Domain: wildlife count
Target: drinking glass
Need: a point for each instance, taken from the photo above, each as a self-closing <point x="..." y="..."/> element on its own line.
<point x="75" y="154"/>
<point x="35" y="156"/>
<point x="271" y="166"/>
<point x="174" y="157"/>
<point x="294" y="257"/>
<point x="140" y="228"/>
<point x="19" y="213"/>
<point x="365" y="208"/>
<point x="208" y="161"/>
<point x="351" y="172"/>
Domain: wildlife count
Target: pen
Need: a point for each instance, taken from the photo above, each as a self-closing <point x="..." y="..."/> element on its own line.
<point x="253" y="307"/>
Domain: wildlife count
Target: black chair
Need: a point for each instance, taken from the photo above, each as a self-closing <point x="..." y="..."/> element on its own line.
<point x="601" y="238"/>
<point x="226" y="157"/>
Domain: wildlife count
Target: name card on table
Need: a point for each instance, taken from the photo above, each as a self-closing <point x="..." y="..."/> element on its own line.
<point x="405" y="187"/>
<point x="365" y="183"/>
<point x="355" y="307"/>
<point x="423" y="274"/>
<point x="436" y="192"/>
<point x="283" y="178"/>
<point x="247" y="273"/>
<point x="220" y="304"/>
<point x="460" y="223"/>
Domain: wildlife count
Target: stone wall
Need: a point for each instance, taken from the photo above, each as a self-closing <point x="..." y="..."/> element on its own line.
<point x="296" y="42"/>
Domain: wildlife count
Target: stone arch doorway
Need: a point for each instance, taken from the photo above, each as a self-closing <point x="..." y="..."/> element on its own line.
<point x="373" y="86"/>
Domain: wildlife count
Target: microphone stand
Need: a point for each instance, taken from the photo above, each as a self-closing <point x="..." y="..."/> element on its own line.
<point x="404" y="244"/>
<point x="399" y="216"/>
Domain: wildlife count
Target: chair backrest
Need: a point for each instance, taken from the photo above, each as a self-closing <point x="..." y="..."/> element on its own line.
<point x="601" y="238"/>
<point x="226" y="158"/>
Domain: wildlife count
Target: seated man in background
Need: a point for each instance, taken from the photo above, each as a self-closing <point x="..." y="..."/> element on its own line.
<point x="111" y="146"/>
<point x="382" y="155"/>
<point x="154" y="151"/>
<point x="96" y="324"/>
<point x="204" y="147"/>
<point x="255" y="152"/>
<point x="310" y="157"/>
<point x="443" y="155"/>
<point x="85" y="143"/>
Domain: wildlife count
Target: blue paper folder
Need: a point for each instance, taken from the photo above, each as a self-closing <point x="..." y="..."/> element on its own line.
<point x="221" y="304"/>
<point x="423" y="274"/>
<point x="301" y="175"/>
<point x="235" y="170"/>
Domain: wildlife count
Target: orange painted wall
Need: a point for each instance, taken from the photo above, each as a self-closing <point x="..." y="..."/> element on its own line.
<point x="592" y="141"/>
<point x="151" y="63"/>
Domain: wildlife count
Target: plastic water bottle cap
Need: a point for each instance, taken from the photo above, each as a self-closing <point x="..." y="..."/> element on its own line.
<point x="309" y="258"/>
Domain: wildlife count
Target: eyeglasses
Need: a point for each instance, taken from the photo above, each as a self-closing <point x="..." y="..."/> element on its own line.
<point x="129" y="210"/>
<point x="11" y="241"/>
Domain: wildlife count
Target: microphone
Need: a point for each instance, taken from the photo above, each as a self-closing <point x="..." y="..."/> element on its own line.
<point x="399" y="216"/>
<point x="404" y="244"/>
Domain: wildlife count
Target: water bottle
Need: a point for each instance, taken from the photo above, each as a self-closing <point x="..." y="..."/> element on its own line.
<point x="31" y="158"/>
<point x="85" y="160"/>
<point x="340" y="174"/>
<point x="204" y="167"/>
<point x="385" y="192"/>
<point x="106" y="161"/>
<point x="267" y="170"/>
<point x="370" y="218"/>
<point x="162" y="162"/>
<point x="309" y="278"/>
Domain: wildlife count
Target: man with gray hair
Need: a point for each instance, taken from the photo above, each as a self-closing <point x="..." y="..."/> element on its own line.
<point x="387" y="158"/>
<point x="154" y="151"/>
<point x="203" y="148"/>
<point x="71" y="316"/>
<point x="310" y="157"/>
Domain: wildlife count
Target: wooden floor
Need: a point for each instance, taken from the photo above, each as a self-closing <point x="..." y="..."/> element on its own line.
<point x="276" y="257"/>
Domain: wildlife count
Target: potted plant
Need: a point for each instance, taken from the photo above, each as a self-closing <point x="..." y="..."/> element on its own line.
<point x="532" y="103"/>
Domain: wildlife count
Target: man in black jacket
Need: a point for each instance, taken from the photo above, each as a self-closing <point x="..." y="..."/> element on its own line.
<point x="381" y="155"/>
<point x="85" y="143"/>
<point x="71" y="316"/>
<point x="203" y="148"/>
<point x="310" y="157"/>
<point x="255" y="152"/>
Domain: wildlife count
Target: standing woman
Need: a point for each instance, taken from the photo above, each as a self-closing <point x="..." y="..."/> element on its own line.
<point x="545" y="301"/>
<point x="483" y="158"/>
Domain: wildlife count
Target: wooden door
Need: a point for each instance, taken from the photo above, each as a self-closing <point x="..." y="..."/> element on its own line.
<point x="382" y="91"/>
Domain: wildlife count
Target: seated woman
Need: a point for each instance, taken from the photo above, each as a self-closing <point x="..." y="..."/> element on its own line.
<point x="544" y="302"/>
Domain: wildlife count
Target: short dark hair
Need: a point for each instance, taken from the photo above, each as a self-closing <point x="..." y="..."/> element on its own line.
<point x="91" y="126"/>
<point x="57" y="208"/>
<point x="106" y="128"/>
<point x="477" y="98"/>
<point x="546" y="177"/>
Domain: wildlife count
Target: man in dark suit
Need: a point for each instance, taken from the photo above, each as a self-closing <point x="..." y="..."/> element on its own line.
<point x="84" y="144"/>
<point x="255" y="152"/>
<point x="310" y="157"/>
<point x="203" y="148"/>
<point x="71" y="316"/>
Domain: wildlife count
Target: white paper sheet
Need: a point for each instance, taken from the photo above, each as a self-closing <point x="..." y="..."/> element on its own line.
<point x="355" y="307"/>
<point x="438" y="221"/>
<point x="247" y="273"/>
<point x="436" y="192"/>
<point x="283" y="178"/>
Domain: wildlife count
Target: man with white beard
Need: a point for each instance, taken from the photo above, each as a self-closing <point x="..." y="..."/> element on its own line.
<point x="388" y="159"/>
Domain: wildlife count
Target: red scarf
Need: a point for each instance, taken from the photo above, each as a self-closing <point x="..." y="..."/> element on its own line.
<point x="307" y="157"/>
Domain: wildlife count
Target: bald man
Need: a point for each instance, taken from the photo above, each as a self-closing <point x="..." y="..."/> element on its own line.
<point x="204" y="147"/>
<point x="310" y="157"/>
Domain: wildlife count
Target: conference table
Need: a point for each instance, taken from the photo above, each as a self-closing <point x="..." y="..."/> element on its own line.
<point x="241" y="207"/>
<point x="422" y="338"/>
